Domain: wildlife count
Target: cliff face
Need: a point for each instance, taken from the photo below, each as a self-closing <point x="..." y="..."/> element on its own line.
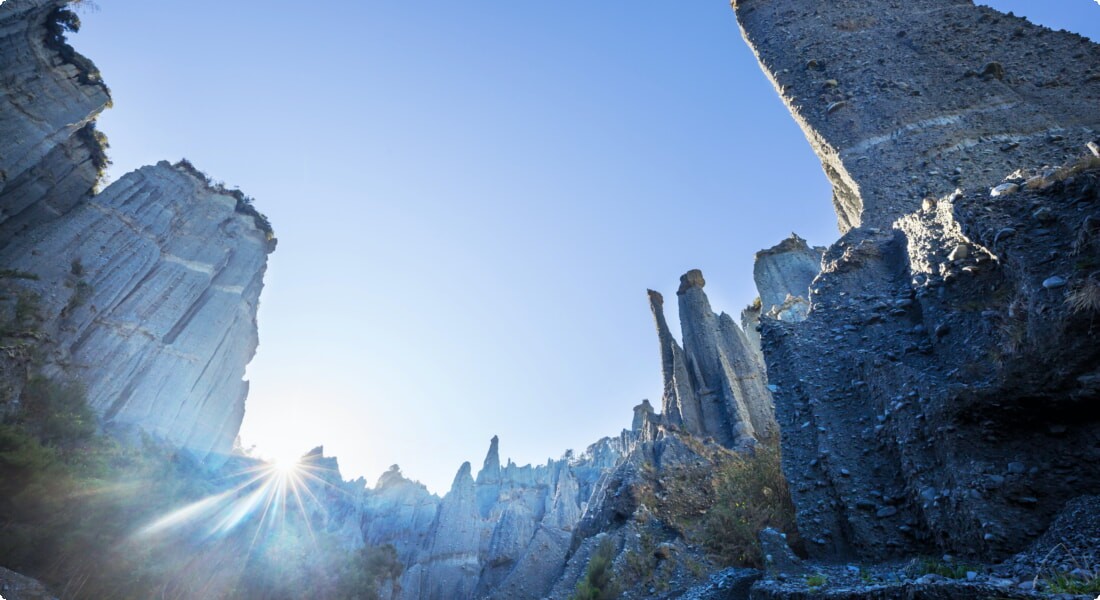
<point x="149" y="292"/>
<point x="953" y="95"/>
<point x="145" y="293"/>
<point x="941" y="393"/>
<point x="49" y="97"/>
<point x="715" y="386"/>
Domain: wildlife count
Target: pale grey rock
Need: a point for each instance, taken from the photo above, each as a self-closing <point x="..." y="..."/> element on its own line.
<point x="449" y="568"/>
<point x="505" y="534"/>
<point x="783" y="271"/>
<point x="715" y="386"/>
<point x="716" y="383"/>
<point x="399" y="512"/>
<point x="149" y="292"/>
<point x="46" y="167"/>
<point x="646" y="421"/>
<point x="679" y="405"/>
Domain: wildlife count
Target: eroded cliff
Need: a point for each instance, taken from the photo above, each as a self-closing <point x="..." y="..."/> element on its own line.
<point x="715" y="386"/>
<point x="145" y="293"/>
<point x="941" y="393"/>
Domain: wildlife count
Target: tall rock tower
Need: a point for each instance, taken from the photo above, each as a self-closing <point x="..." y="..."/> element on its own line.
<point x="715" y="385"/>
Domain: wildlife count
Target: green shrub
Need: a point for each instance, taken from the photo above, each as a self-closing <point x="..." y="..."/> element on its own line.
<point x="56" y="414"/>
<point x="599" y="579"/>
<point x="816" y="580"/>
<point x="1064" y="583"/>
<point x="750" y="495"/>
<point x="934" y="566"/>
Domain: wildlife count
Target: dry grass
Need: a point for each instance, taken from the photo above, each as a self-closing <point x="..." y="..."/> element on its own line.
<point x="1084" y="298"/>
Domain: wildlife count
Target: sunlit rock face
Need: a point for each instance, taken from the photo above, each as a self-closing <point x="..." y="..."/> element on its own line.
<point x="783" y="274"/>
<point x="146" y="292"/>
<point x="941" y="393"/>
<point x="715" y="386"/>
<point x="47" y="101"/>
<point x="149" y="291"/>
<point x="504" y="534"/>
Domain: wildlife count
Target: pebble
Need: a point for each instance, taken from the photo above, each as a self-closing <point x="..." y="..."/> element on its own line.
<point x="960" y="252"/>
<point x="835" y="106"/>
<point x="1054" y="282"/>
<point x="1018" y="468"/>
<point x="1004" y="233"/>
<point x="886" y="511"/>
<point x="1004" y="189"/>
<point x="1044" y="215"/>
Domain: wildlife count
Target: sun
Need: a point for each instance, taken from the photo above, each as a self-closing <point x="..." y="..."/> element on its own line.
<point x="286" y="465"/>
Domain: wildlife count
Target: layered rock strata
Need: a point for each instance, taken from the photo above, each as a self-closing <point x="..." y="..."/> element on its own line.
<point x="715" y="386"/>
<point x="941" y="393"/>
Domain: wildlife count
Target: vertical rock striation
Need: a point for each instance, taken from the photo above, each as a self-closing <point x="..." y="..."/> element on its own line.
<point x="50" y="156"/>
<point x="149" y="291"/>
<point x="504" y="534"/>
<point x="941" y="393"/>
<point x="715" y="386"/>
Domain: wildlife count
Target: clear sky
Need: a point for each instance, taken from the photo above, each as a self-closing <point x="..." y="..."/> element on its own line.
<point x="471" y="199"/>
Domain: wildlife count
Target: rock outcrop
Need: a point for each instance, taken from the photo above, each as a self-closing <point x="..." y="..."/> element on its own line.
<point x="954" y="95"/>
<point x="783" y="274"/>
<point x="941" y="394"/>
<point x="715" y="386"/>
<point x="149" y="292"/>
<point x="504" y="534"/>
<point x="145" y="293"/>
<point x="50" y="153"/>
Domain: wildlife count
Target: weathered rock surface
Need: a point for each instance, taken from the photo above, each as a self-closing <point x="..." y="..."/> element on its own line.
<point x="14" y="586"/>
<point x="783" y="272"/>
<point x="148" y="293"/>
<point x="504" y="534"/>
<point x="941" y="393"/>
<point x="715" y="386"/>
<point x="954" y="95"/>
<point x="49" y="98"/>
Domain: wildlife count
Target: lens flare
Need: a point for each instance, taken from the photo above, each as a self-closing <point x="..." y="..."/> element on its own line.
<point x="264" y="494"/>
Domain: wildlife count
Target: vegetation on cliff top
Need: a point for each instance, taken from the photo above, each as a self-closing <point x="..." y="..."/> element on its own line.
<point x="244" y="202"/>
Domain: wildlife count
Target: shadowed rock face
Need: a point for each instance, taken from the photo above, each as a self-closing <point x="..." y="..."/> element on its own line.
<point x="942" y="392"/>
<point x="904" y="99"/>
<point x="715" y="386"/>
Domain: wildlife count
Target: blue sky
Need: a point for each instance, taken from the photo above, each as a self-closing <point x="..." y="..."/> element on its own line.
<point x="471" y="200"/>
